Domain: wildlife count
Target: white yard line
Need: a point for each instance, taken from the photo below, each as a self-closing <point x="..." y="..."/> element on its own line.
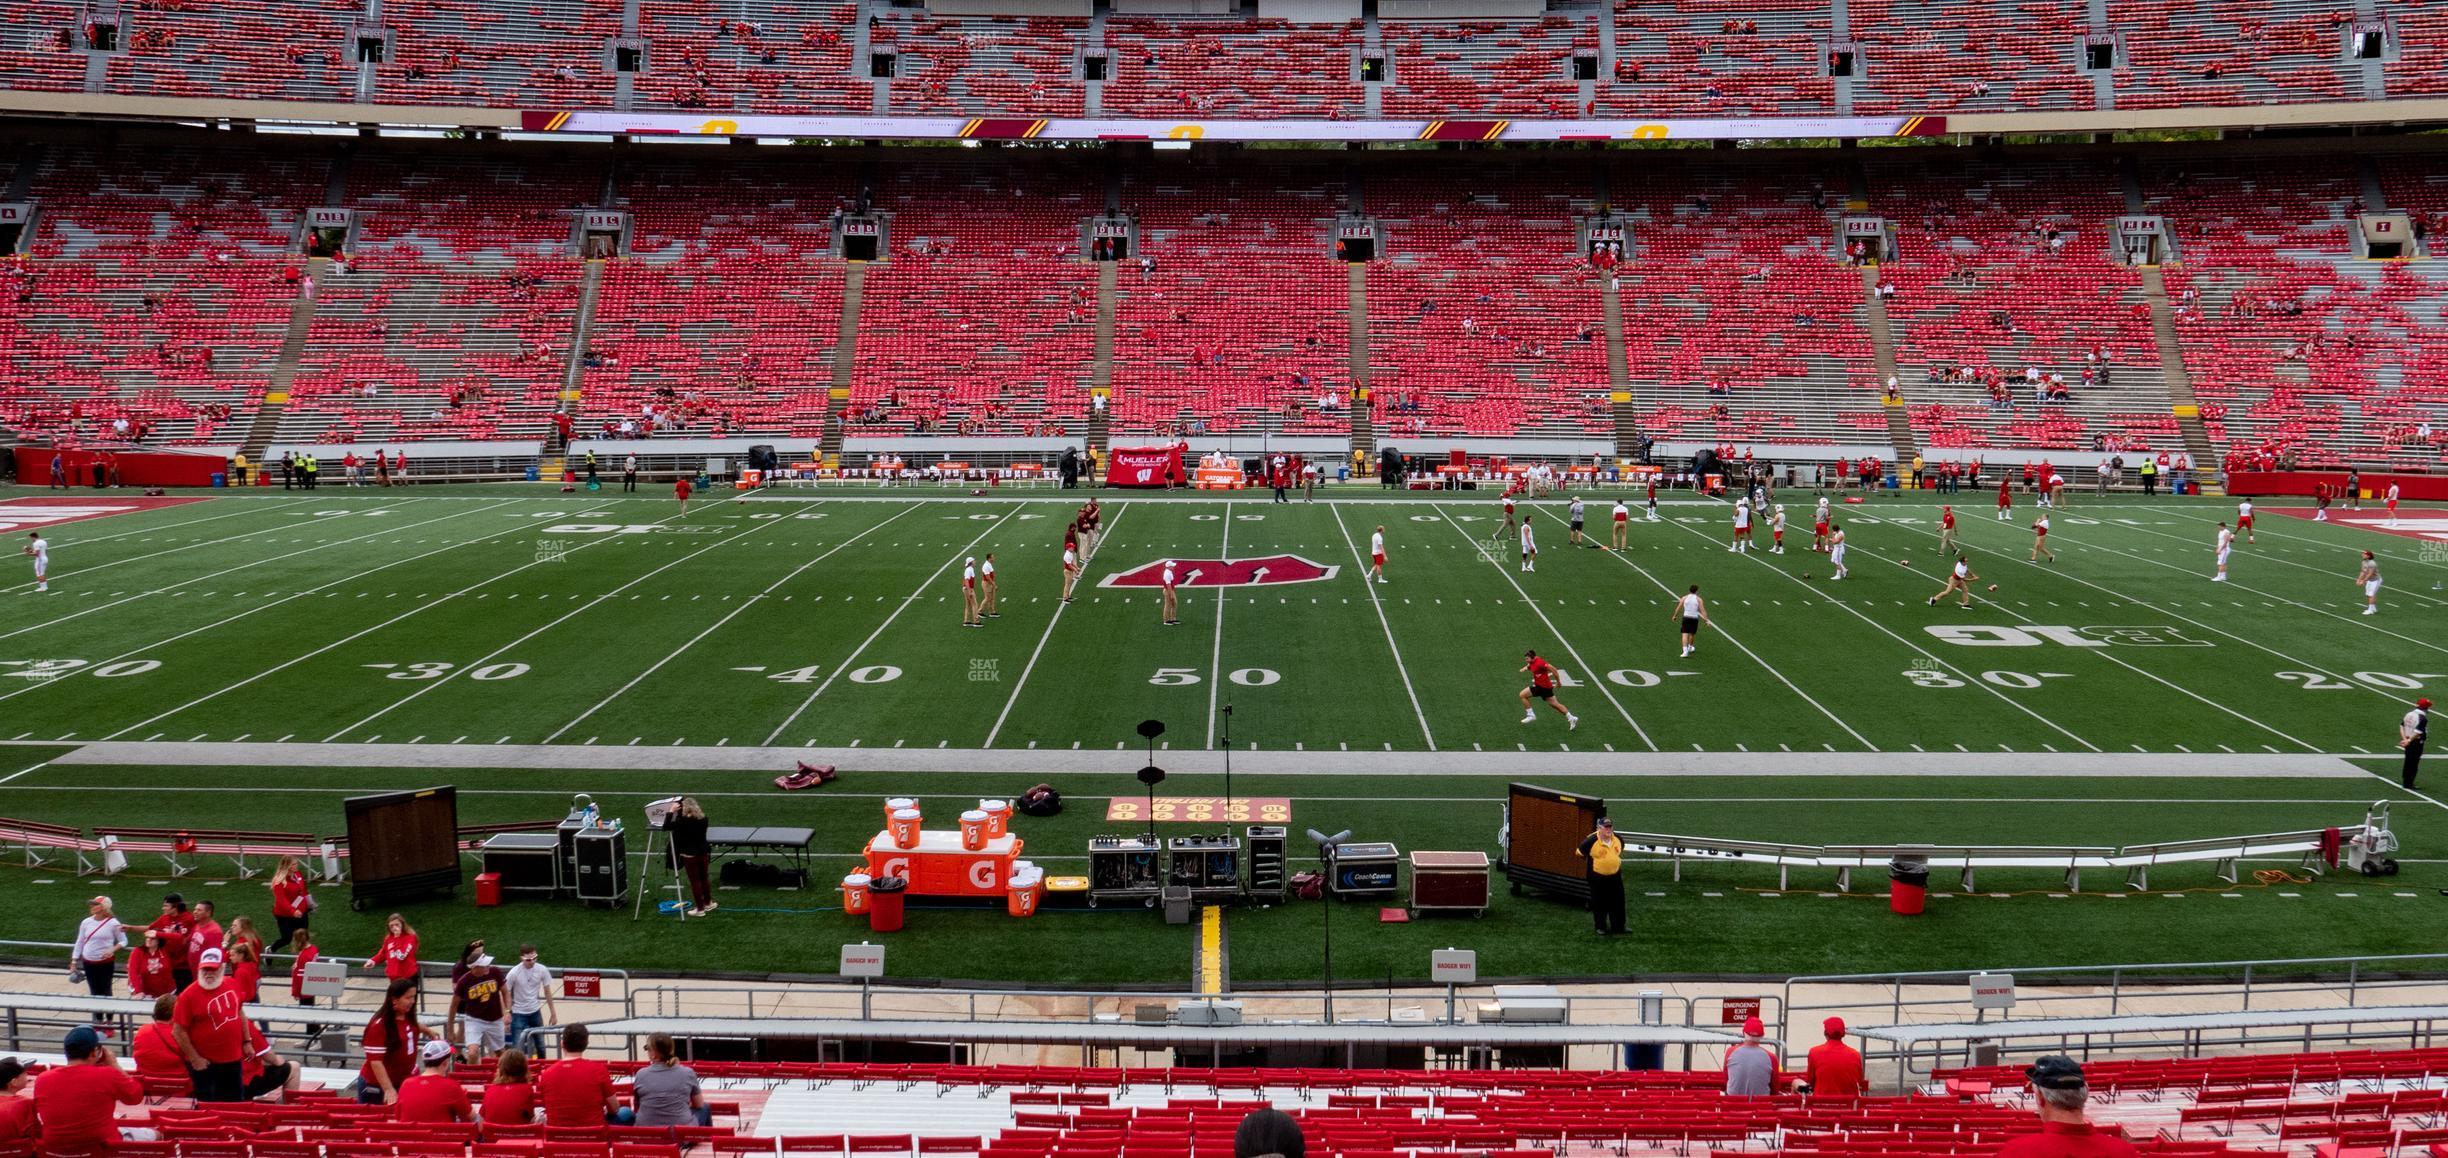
<point x="1597" y="677"/>
<point x="1021" y="684"/>
<point x="392" y="530"/>
<point x="913" y="597"/>
<point x="2103" y="653"/>
<point x="711" y="628"/>
<point x="289" y="598"/>
<point x="573" y="613"/>
<point x="357" y="635"/>
<point x="1831" y="600"/>
<point x="1729" y="637"/>
<point x="80" y="541"/>
<point x="2343" y="576"/>
<point x="1360" y="567"/>
<point x="1215" y="657"/>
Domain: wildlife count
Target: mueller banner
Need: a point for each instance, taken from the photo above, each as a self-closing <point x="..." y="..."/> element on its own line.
<point x="1143" y="466"/>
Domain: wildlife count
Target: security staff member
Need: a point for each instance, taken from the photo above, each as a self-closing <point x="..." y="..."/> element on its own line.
<point x="2411" y="732"/>
<point x="1604" y="851"/>
<point x="2150" y="475"/>
<point x="590" y="465"/>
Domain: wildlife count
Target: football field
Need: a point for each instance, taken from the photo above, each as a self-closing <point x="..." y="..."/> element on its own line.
<point x="245" y="660"/>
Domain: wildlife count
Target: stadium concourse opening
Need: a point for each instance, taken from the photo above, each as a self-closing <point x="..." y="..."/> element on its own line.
<point x="1469" y="636"/>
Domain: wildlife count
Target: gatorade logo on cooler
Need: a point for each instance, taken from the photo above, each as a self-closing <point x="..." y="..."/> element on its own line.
<point x="982" y="874"/>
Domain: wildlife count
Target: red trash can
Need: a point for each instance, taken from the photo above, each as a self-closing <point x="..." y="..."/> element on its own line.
<point x="1907" y="885"/>
<point x="488" y="890"/>
<point x="884" y="898"/>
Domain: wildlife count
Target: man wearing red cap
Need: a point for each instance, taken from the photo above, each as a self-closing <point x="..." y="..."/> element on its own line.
<point x="1750" y="1070"/>
<point x="2411" y="732"/>
<point x="2059" y="1089"/>
<point x="1834" y="1069"/>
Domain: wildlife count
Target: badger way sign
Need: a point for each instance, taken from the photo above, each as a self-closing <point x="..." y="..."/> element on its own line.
<point x="1259" y="572"/>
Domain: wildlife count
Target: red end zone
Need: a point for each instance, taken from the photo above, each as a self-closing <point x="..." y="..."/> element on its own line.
<point x="2428" y="524"/>
<point x="40" y="513"/>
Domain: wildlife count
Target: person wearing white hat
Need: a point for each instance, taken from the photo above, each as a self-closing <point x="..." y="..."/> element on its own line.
<point x="209" y="1021"/>
<point x="433" y="1095"/>
<point x="969" y="593"/>
<point x="1172" y="601"/>
<point x="95" y="955"/>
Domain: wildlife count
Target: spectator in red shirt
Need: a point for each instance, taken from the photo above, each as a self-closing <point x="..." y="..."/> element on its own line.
<point x="398" y="952"/>
<point x="149" y="967"/>
<point x="173" y="924"/>
<point x="202" y="933"/>
<point x="2059" y="1089"/>
<point x="509" y="1100"/>
<point x="242" y="932"/>
<point x="78" y="1103"/>
<point x="306" y="951"/>
<point x="216" y="1039"/>
<point x="391" y="1042"/>
<point x="160" y="1064"/>
<point x="577" y="1090"/>
<point x="433" y="1095"/>
<point x="1834" y="1069"/>
<point x="290" y="902"/>
<point x="19" y="1126"/>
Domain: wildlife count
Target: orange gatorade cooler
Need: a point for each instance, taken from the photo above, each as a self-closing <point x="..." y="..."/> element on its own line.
<point x="896" y="804"/>
<point x="854" y="893"/>
<point x="998" y="817"/>
<point x="904" y="828"/>
<point x="1026" y="885"/>
<point x="973" y="829"/>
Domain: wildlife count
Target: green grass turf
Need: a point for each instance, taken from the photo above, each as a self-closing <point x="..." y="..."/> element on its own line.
<point x="272" y="616"/>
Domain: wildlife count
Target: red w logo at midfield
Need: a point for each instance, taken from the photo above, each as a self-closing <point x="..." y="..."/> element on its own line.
<point x="1224" y="572"/>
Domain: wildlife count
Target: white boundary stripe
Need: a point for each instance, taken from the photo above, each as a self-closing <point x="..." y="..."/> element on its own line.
<point x="38" y="766"/>
<point x="291" y="597"/>
<point x="1021" y="685"/>
<point x="2103" y="653"/>
<point x="711" y="628"/>
<point x="1007" y="762"/>
<point x="1597" y="677"/>
<point x="81" y="541"/>
<point x="361" y="634"/>
<point x="1729" y="637"/>
<point x="861" y="649"/>
<point x="564" y="617"/>
<point x="1360" y="568"/>
<point x="230" y="570"/>
<point x="1829" y="599"/>
<point x="1215" y="655"/>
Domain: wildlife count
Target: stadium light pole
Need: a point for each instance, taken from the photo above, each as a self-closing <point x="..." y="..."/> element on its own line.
<point x="1326" y="896"/>
<point x="1226" y="814"/>
<point x="1151" y="775"/>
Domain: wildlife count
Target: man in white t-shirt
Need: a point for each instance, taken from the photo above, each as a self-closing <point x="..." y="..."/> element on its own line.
<point x="1377" y="554"/>
<point x="40" y="552"/>
<point x="1742" y="528"/>
<point x="1836" y="550"/>
<point x="2226" y="542"/>
<point x="1529" y="545"/>
<point x="527" y="987"/>
<point x="2369" y="578"/>
<point x="1623" y="524"/>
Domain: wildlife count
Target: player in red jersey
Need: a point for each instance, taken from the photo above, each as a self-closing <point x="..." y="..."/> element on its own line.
<point x="1946" y="530"/>
<point x="1653" y="511"/>
<point x="2320" y="495"/>
<point x="680" y="491"/>
<point x="2005" y="498"/>
<point x="1542" y="686"/>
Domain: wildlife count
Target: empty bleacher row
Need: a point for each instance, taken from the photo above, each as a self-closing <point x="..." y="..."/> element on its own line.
<point x="1685" y="58"/>
<point x="158" y="284"/>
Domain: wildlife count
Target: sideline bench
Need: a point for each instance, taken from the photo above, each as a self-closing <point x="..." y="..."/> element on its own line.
<point x="173" y="843"/>
<point x="2070" y="860"/>
<point x="2224" y="852"/>
<point x="32" y="838"/>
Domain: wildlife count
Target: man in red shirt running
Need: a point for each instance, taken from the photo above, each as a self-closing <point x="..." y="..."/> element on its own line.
<point x="1542" y="685"/>
<point x="2057" y="1082"/>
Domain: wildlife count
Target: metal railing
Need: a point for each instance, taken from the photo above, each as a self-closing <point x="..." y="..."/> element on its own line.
<point x="2135" y="989"/>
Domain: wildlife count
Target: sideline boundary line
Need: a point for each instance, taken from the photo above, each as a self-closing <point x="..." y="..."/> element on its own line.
<point x="1378" y="604"/>
<point x="1121" y="508"/>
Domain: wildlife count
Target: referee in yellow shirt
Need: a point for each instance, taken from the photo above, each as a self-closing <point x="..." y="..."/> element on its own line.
<point x="1604" y="851"/>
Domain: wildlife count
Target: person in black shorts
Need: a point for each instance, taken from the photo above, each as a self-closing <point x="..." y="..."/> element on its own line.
<point x="1542" y="686"/>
